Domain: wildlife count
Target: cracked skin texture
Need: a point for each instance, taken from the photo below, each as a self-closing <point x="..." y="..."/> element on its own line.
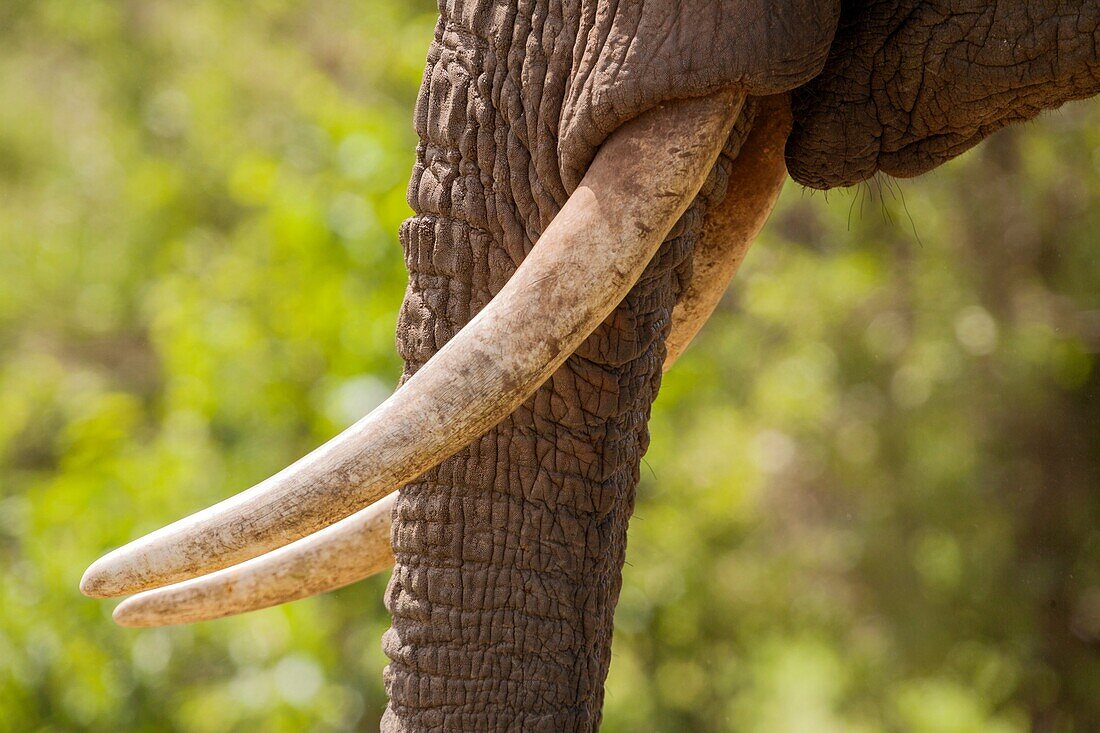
<point x="910" y="84"/>
<point x="509" y="554"/>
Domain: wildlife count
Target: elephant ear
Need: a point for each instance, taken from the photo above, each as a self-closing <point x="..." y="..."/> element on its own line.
<point x="632" y="55"/>
<point x="910" y="84"/>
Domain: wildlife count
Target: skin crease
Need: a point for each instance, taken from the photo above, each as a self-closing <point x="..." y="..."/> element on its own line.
<point x="509" y="553"/>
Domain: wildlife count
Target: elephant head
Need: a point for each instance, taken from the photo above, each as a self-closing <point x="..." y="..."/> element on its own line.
<point x="589" y="175"/>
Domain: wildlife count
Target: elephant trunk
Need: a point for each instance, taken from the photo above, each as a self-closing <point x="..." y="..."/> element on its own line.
<point x="509" y="553"/>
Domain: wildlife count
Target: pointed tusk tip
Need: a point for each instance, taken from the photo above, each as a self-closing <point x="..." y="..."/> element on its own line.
<point x="101" y="580"/>
<point x="94" y="585"/>
<point x="128" y="614"/>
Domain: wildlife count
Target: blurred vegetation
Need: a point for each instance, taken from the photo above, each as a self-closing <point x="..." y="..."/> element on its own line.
<point x="873" y="497"/>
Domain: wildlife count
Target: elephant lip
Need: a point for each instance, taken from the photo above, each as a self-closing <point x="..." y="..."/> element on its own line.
<point x="640" y="183"/>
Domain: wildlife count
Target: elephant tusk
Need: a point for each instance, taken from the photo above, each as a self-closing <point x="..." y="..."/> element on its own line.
<point x="358" y="546"/>
<point x="755" y="180"/>
<point x="353" y="549"/>
<point x="641" y="181"/>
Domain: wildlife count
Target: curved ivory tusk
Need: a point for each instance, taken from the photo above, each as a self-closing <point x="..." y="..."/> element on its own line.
<point x="351" y="550"/>
<point x="354" y="548"/>
<point x="755" y="180"/>
<point x="639" y="184"/>
<point x="358" y="547"/>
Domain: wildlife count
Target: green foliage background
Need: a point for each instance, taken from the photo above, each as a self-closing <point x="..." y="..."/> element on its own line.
<point x="873" y="497"/>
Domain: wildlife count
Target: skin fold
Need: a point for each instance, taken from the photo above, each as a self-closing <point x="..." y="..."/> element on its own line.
<point x="508" y="553"/>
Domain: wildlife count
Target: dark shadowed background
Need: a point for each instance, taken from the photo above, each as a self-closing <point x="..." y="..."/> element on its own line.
<point x="872" y="502"/>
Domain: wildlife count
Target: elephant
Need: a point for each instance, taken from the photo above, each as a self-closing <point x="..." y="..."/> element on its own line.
<point x="588" y="178"/>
